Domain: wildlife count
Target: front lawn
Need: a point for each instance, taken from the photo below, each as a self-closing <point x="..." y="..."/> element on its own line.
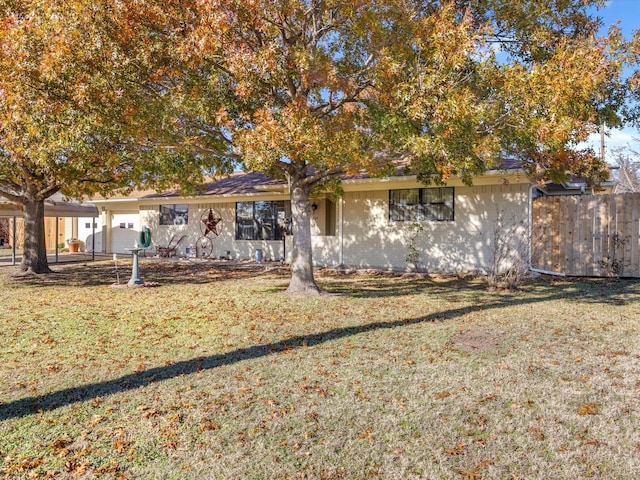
<point x="215" y="373"/>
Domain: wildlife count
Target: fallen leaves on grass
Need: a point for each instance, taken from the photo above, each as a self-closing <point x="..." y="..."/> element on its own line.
<point x="120" y="445"/>
<point x="28" y="464"/>
<point x="373" y="382"/>
<point x="60" y="446"/>
<point x="588" y="409"/>
<point x="113" y="467"/>
<point x="476" y="473"/>
<point x="206" y="424"/>
<point x="537" y="433"/>
<point x="76" y="468"/>
<point x="456" y="450"/>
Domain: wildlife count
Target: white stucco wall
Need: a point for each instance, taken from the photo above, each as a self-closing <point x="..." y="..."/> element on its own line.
<point x="462" y="245"/>
<point x="223" y="243"/>
<point x="361" y="235"/>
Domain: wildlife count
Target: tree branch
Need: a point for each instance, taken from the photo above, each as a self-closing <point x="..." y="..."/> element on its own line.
<point x="284" y="167"/>
<point x="48" y="191"/>
<point x="9" y="187"/>
<point x="11" y="196"/>
<point x="322" y="175"/>
<point x="324" y="109"/>
<point x="202" y="150"/>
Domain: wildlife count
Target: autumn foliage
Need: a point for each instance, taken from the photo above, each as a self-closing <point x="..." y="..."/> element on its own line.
<point x="308" y="90"/>
<point x="130" y="92"/>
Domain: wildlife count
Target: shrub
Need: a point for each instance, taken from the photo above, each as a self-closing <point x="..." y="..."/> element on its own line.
<point x="508" y="252"/>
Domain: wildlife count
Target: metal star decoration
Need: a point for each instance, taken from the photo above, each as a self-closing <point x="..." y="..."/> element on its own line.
<point x="211" y="224"/>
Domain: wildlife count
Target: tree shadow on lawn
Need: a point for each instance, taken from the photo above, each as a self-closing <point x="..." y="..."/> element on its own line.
<point x="152" y="272"/>
<point x="367" y="286"/>
<point x="364" y="284"/>
<point x="51" y="401"/>
<point x="580" y="290"/>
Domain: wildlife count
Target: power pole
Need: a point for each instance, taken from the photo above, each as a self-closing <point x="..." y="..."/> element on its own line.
<point x="602" y="130"/>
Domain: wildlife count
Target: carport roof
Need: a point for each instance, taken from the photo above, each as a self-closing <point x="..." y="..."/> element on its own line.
<point x="55" y="206"/>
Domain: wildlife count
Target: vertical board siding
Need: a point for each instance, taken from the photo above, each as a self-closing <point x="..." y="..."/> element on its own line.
<point x="590" y="235"/>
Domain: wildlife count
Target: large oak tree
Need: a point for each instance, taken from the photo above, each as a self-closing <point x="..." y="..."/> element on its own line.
<point x="307" y="90"/>
<point x="77" y="94"/>
<point x="51" y="135"/>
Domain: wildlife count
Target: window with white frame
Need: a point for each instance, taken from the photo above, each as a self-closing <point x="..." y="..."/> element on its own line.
<point x="421" y="204"/>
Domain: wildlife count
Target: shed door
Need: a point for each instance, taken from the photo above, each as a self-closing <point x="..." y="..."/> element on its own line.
<point x="85" y="233"/>
<point x="125" y="231"/>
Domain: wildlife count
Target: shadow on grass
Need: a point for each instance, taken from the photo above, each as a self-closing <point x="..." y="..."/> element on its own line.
<point x="162" y="272"/>
<point x="167" y="272"/>
<point x="620" y="292"/>
<point x="580" y="290"/>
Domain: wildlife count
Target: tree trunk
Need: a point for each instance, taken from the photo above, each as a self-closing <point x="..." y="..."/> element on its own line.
<point x="302" y="281"/>
<point x="34" y="256"/>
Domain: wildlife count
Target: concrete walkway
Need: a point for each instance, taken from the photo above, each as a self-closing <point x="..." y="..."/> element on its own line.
<point x="63" y="257"/>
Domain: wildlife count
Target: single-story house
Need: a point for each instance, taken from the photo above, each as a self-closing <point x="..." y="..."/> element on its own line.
<point x="393" y="223"/>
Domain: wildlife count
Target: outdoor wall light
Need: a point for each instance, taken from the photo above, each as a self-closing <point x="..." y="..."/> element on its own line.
<point x="314" y="206"/>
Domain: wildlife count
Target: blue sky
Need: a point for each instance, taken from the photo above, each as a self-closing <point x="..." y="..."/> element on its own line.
<point x="627" y="13"/>
<point x="624" y="11"/>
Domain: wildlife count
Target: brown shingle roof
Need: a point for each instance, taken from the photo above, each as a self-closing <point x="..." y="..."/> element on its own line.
<point x="238" y="183"/>
<point x="247" y="183"/>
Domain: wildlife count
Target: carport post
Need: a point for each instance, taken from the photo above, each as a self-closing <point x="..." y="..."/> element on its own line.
<point x="13" y="243"/>
<point x="56" y="239"/>
<point x="93" y="238"/>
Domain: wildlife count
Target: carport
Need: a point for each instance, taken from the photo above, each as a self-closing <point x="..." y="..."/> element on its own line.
<point x="57" y="206"/>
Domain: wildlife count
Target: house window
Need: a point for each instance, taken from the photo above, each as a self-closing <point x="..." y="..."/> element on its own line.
<point x="421" y="204"/>
<point x="177" y="214"/>
<point x="264" y="220"/>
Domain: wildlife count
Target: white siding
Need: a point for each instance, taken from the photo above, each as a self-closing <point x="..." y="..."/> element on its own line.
<point x="223" y="243"/>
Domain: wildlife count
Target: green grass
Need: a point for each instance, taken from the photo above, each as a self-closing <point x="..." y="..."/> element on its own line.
<point x="215" y="373"/>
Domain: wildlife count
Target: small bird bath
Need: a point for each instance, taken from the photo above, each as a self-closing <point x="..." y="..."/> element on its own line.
<point x="135" y="272"/>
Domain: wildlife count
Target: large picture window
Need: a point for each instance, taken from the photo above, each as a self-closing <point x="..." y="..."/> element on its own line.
<point x="174" y="214"/>
<point x="421" y="204"/>
<point x="264" y="220"/>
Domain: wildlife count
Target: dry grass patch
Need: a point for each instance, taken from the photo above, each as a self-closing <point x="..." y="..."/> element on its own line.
<point x="216" y="374"/>
<point x="477" y="340"/>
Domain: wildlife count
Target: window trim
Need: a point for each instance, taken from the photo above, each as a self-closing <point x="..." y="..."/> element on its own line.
<point x="276" y="228"/>
<point x="182" y="219"/>
<point x="422" y="204"/>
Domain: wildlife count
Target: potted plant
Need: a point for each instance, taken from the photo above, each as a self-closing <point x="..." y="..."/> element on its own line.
<point x="74" y="244"/>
